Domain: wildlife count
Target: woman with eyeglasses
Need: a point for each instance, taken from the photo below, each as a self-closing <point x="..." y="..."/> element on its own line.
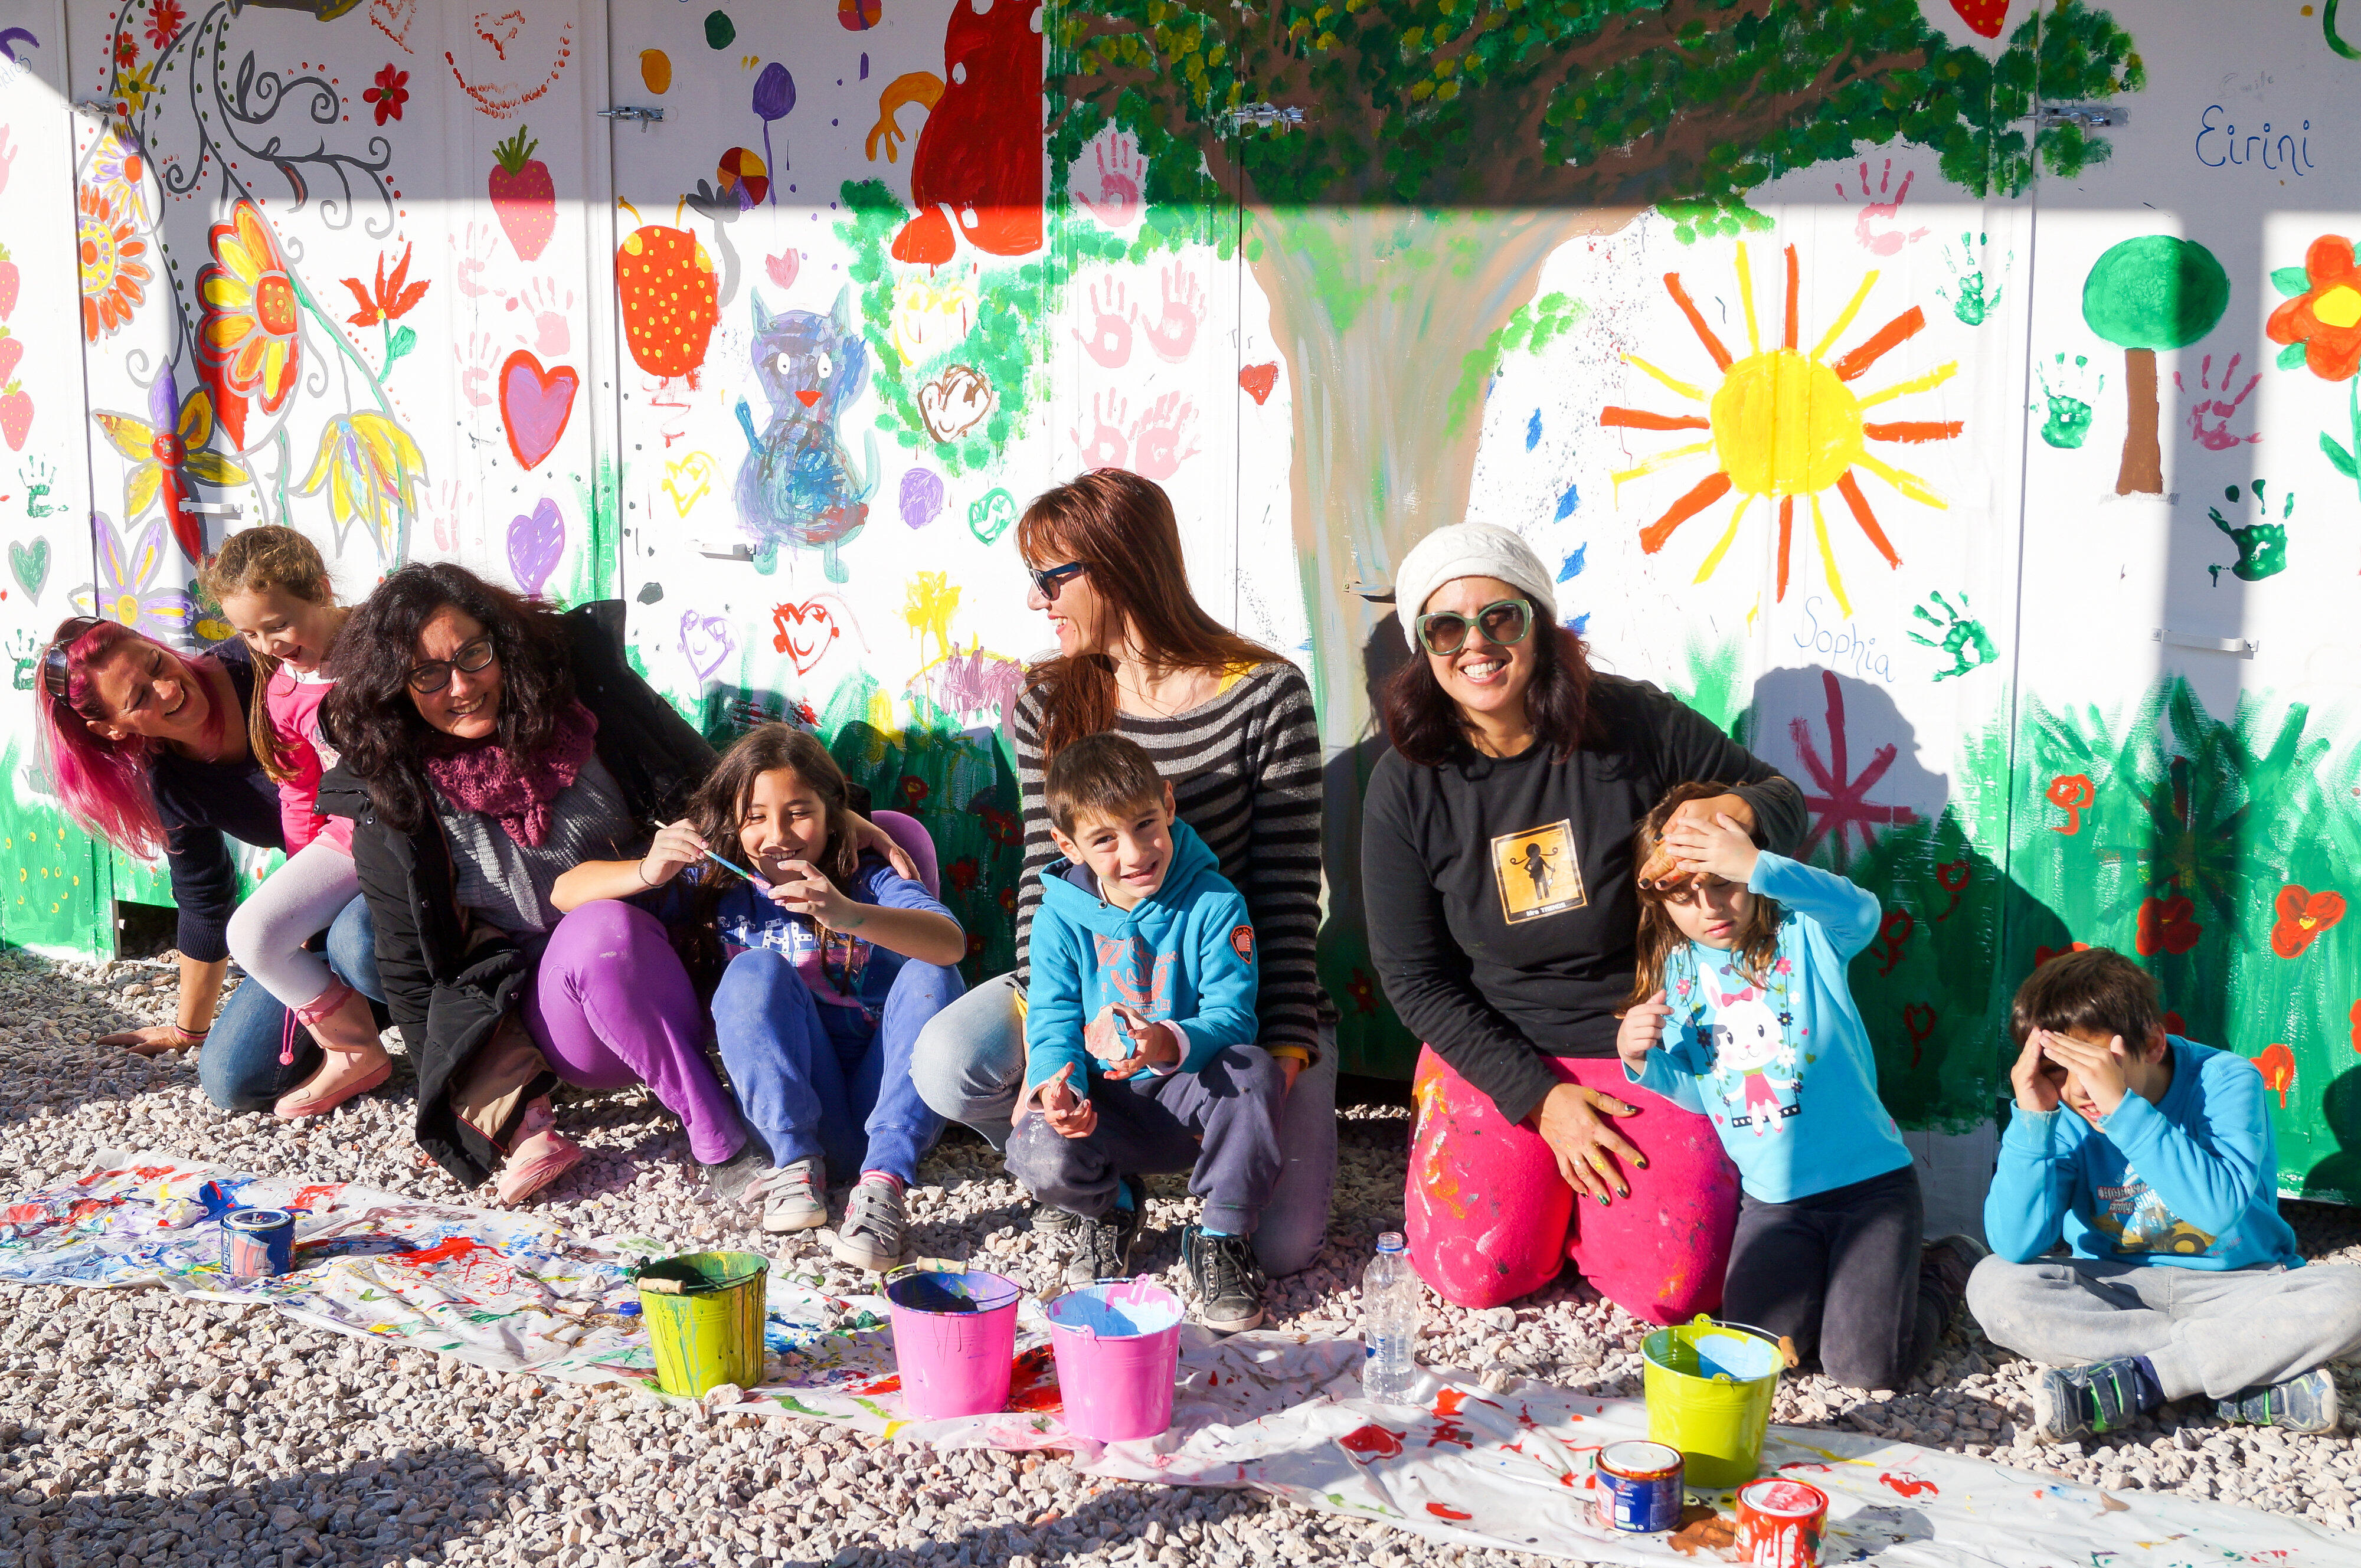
<point x="1230" y="725"/>
<point x="150" y="751"/>
<point x="489" y="745"/>
<point x="1496" y="849"/>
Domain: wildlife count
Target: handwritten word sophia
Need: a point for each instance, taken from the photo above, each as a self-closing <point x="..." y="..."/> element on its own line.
<point x="2218" y="144"/>
<point x="1840" y="643"/>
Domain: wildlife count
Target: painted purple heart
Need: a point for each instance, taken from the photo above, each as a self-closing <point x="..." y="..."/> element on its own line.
<point x="707" y="641"/>
<point x="922" y="497"/>
<point x="535" y="542"/>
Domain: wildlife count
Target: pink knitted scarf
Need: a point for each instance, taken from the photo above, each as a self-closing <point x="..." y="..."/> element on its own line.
<point x="480" y="776"/>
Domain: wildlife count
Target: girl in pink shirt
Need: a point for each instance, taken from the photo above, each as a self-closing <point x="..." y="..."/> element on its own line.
<point x="273" y="586"/>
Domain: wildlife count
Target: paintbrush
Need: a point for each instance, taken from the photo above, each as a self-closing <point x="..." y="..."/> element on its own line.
<point x="741" y="871"/>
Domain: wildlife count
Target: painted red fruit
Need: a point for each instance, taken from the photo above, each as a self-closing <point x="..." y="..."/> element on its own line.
<point x="523" y="196"/>
<point x="669" y="298"/>
<point x="15" y="416"/>
<point x="7" y="283"/>
<point x="1984" y="18"/>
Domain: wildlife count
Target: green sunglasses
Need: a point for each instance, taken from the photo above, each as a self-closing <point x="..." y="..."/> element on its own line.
<point x="1504" y="624"/>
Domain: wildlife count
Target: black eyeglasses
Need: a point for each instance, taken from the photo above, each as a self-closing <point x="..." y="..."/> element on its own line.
<point x="1049" y="579"/>
<point x="57" y="674"/>
<point x="435" y="673"/>
<point x="1504" y="624"/>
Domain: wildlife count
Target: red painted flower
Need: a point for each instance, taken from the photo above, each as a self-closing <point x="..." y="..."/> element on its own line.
<point x="126" y="49"/>
<point x="1918" y="1022"/>
<point x="2354" y="1018"/>
<point x="1364" y="992"/>
<point x="2326" y="317"/>
<point x="2166" y="925"/>
<point x="392" y="92"/>
<point x="394" y="297"/>
<point x="2071" y="793"/>
<point x="965" y="873"/>
<point x="165" y="18"/>
<point x="914" y="792"/>
<point x="2302" y="915"/>
<point x="2277" y="1064"/>
<point x="2042" y="955"/>
<point x="2174" y="1024"/>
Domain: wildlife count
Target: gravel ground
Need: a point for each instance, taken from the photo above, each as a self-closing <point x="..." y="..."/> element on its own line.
<point x="142" y="1428"/>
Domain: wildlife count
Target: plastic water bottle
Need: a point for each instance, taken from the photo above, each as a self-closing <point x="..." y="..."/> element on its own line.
<point x="1391" y="1313"/>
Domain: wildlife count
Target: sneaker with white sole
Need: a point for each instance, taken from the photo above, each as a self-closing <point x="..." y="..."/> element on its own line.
<point x="2306" y="1403"/>
<point x="794" y="1197"/>
<point x="871" y="1236"/>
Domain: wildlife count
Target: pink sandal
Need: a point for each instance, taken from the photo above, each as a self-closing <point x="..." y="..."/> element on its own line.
<point x="542" y="1155"/>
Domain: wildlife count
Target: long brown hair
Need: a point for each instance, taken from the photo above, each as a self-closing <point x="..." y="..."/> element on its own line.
<point x="1659" y="938"/>
<point x="1121" y="528"/>
<point x="719" y="808"/>
<point x="1427" y="728"/>
<point x="256" y="561"/>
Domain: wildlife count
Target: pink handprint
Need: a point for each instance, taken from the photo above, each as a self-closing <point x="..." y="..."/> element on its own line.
<point x="1122" y="175"/>
<point x="546" y="331"/>
<point x="7" y="158"/>
<point x="2217" y="437"/>
<point x="482" y="239"/>
<point x="1157" y="435"/>
<point x="451" y="504"/>
<point x="1174" y="334"/>
<point x="478" y="366"/>
<point x="1886" y="242"/>
<point x="1108" y="446"/>
<point x="1109" y="341"/>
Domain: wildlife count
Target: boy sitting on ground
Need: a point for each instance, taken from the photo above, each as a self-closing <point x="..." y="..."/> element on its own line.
<point x="1139" y="1032"/>
<point x="2181" y="1277"/>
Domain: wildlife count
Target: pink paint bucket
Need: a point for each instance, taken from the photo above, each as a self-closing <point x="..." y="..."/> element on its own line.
<point x="1118" y="1348"/>
<point x="954" y="1337"/>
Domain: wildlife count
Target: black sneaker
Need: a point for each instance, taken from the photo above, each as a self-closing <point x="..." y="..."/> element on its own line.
<point x="1228" y="1279"/>
<point x="1948" y="1262"/>
<point x="2086" y="1401"/>
<point x="2304" y="1404"/>
<point x="1050" y="1219"/>
<point x="1102" y="1247"/>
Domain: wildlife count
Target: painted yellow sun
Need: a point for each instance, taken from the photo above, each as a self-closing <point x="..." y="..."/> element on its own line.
<point x="1786" y="423"/>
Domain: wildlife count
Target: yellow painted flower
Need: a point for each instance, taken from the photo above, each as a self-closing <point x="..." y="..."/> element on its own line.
<point x="372" y="471"/>
<point x="169" y="448"/>
<point x="132" y="88"/>
<point x="247" y="336"/>
<point x="113" y="278"/>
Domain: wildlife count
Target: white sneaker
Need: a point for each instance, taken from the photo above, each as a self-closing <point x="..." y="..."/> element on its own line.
<point x="794" y="1197"/>
<point x="871" y="1236"/>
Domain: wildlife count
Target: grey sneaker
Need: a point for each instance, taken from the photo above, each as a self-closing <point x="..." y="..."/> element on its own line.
<point x="2305" y="1404"/>
<point x="1102" y="1247"/>
<point x="1228" y="1279"/>
<point x="730" y="1178"/>
<point x="871" y="1235"/>
<point x="2085" y="1401"/>
<point x="794" y="1197"/>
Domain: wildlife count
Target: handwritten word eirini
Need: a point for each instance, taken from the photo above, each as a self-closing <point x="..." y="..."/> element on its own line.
<point x="2219" y="143"/>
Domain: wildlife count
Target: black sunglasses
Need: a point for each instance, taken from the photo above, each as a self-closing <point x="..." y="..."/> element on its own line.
<point x="1049" y="579"/>
<point x="435" y="673"/>
<point x="1505" y="624"/>
<point x="57" y="674"/>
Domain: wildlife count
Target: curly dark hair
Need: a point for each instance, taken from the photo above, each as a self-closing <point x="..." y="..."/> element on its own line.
<point x="370" y="712"/>
<point x="1425" y="725"/>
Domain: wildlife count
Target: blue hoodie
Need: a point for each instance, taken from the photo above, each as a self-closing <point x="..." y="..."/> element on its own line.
<point x="2187" y="1183"/>
<point x="1185" y="953"/>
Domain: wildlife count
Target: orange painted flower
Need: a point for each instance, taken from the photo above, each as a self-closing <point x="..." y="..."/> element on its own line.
<point x="113" y="278"/>
<point x="394" y="297"/>
<point x="2354" y="1018"/>
<point x="2166" y="925"/>
<point x="2042" y="955"/>
<point x="2302" y="915"/>
<point x="165" y="18"/>
<point x="247" y="336"/>
<point x="2071" y="793"/>
<point x="2325" y="318"/>
<point x="2277" y="1064"/>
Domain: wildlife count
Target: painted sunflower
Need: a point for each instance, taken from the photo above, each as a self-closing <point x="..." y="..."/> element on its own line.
<point x="168" y="449"/>
<point x="2325" y="318"/>
<point x="113" y="278"/>
<point x="248" y="338"/>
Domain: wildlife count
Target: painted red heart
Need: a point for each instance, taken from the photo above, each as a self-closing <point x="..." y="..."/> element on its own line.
<point x="1258" y="379"/>
<point x="11" y="351"/>
<point x="535" y="405"/>
<point x="805" y="631"/>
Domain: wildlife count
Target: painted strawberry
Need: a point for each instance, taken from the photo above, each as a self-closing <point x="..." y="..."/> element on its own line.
<point x="523" y="197"/>
<point x="670" y="298"/>
<point x="7" y="283"/>
<point x="15" y="415"/>
<point x="1984" y="18"/>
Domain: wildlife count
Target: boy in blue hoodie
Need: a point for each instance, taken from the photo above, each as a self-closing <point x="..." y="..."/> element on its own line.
<point x="1140" y="1031"/>
<point x="2153" y="1158"/>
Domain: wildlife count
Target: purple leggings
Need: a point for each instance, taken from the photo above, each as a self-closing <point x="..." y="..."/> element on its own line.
<point x="610" y="1005"/>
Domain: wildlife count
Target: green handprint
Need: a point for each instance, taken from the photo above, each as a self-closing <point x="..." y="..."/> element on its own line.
<point x="38" y="480"/>
<point x="22" y="650"/>
<point x="2262" y="545"/>
<point x="2068" y="417"/>
<point x="1968" y="643"/>
<point x="1975" y="299"/>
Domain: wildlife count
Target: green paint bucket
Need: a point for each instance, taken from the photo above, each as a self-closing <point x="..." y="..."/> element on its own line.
<point x="704" y="1312"/>
<point x="1710" y="1386"/>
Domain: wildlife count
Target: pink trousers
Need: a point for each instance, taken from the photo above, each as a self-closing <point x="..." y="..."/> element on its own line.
<point x="1490" y="1218"/>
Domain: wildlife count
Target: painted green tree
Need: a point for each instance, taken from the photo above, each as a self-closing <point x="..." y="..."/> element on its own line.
<point x="1447" y="148"/>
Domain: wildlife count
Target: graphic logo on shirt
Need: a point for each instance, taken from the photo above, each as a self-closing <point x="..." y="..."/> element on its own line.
<point x="1753" y="1066"/>
<point x="2136" y="1221"/>
<point x="1140" y="977"/>
<point x="1537" y="872"/>
<point x="1242" y="942"/>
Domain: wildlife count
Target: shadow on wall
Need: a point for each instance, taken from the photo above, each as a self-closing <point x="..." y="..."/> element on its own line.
<point x="1372" y="1041"/>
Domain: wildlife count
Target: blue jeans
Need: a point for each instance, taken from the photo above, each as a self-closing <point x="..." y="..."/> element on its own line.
<point x="239" y="1067"/>
<point x="816" y="1080"/>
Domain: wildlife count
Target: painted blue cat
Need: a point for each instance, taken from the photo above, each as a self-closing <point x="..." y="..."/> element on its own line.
<point x="798" y="485"/>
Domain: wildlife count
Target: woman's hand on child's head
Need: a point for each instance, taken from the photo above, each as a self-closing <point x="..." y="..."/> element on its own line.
<point x="2036" y="1081"/>
<point x="1662" y="867"/>
<point x="1720" y="846"/>
<point x="675" y="848"/>
<point x="1642" y="1031"/>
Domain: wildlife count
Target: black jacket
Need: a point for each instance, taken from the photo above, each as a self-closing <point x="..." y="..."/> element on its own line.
<point x="200" y="803"/>
<point x="445" y="999"/>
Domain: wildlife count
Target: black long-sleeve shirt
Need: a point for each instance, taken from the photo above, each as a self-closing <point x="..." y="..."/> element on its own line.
<point x="1502" y="905"/>
<point x="199" y="803"/>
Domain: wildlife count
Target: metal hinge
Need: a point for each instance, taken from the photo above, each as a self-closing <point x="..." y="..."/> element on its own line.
<point x="1266" y="115"/>
<point x="631" y="111"/>
<point x="2090" y="116"/>
<point x="2244" y="647"/>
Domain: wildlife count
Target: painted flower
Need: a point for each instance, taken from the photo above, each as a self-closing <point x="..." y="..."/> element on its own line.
<point x="2166" y="925"/>
<point x="168" y="449"/>
<point x="1783" y="966"/>
<point x="133" y="89"/>
<point x="2042" y="955"/>
<point x="371" y="470"/>
<point x="963" y="873"/>
<point x="127" y="589"/>
<point x="2302" y="915"/>
<point x="2354" y="1018"/>
<point x="2321" y="324"/>
<point x="126" y="49"/>
<point x="165" y="20"/>
<point x="392" y="300"/>
<point x="2277" y="1064"/>
<point x="1363" y="992"/>
<point x="119" y="169"/>
<point x="392" y="92"/>
<point x="247" y="341"/>
<point x="113" y="278"/>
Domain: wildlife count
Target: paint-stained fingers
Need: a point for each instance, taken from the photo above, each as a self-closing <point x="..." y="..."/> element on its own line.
<point x="1596" y="1156"/>
<point x="1578" y="1175"/>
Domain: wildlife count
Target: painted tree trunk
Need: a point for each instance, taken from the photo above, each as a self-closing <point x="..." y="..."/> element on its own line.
<point x="2143" y="467"/>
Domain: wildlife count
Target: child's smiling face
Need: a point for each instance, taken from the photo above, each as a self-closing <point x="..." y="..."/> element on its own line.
<point x="783" y="820"/>
<point x="1709" y="911"/>
<point x="1128" y="855"/>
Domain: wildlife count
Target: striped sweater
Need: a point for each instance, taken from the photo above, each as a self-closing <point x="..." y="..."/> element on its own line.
<point x="1245" y="769"/>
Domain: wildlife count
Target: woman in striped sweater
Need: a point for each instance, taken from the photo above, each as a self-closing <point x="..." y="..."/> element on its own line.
<point x="1230" y="724"/>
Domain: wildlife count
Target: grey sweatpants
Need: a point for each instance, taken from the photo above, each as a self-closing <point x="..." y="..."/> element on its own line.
<point x="1220" y="1123"/>
<point x="2211" y="1333"/>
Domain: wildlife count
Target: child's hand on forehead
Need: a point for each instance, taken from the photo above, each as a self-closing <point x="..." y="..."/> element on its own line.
<point x="1716" y="848"/>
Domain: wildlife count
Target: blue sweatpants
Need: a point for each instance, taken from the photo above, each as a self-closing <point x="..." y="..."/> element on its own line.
<point x="816" y="1079"/>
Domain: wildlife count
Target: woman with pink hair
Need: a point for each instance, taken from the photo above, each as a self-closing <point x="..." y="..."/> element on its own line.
<point x="148" y="750"/>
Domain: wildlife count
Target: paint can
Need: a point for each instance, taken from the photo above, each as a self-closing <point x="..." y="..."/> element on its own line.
<point x="1639" y="1487"/>
<point x="258" y="1244"/>
<point x="1779" y="1523"/>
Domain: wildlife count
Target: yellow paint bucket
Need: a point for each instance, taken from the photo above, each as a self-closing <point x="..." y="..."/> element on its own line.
<point x="1710" y="1386"/>
<point x="704" y="1312"/>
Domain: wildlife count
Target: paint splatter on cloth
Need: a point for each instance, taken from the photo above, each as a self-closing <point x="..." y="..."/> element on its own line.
<point x="1277" y="1411"/>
